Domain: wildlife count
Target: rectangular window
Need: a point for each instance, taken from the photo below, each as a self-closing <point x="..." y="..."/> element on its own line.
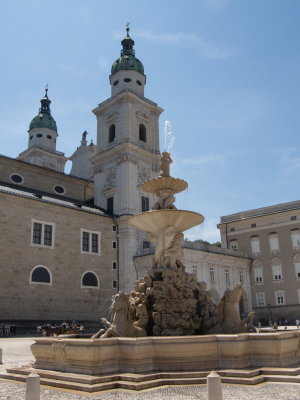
<point x="227" y="276"/>
<point x="146" y="244"/>
<point x="110" y="205"/>
<point x="260" y="299"/>
<point x="241" y="277"/>
<point x="114" y="244"/>
<point x="295" y="236"/>
<point x="258" y="274"/>
<point x="255" y="245"/>
<point x="232" y="229"/>
<point x="279" y="297"/>
<point x="194" y="270"/>
<point x="90" y="242"/>
<point x="253" y="225"/>
<point x="277" y="272"/>
<point x="42" y="234"/>
<point x="37" y="233"/>
<point x="145" y="203"/>
<point x="274" y="243"/>
<point x="212" y="274"/>
<point x="115" y="284"/>
<point x="114" y="265"/>
<point x="297" y="270"/>
<point x="114" y="227"/>
<point x="94" y="243"/>
<point x="293" y="218"/>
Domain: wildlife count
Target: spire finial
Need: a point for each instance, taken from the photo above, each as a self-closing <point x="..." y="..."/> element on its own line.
<point x="127" y="28"/>
<point x="46" y="90"/>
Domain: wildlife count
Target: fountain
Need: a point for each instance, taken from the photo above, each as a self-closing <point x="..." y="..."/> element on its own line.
<point x="169" y="322"/>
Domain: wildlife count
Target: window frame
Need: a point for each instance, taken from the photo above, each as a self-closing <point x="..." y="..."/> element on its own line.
<point x="297" y="269"/>
<point x="19" y="175"/>
<point x="257" y="275"/>
<point x="227" y="276"/>
<point x="111" y="133"/>
<point x="277" y="296"/>
<point x="43" y="223"/>
<point x="115" y="284"/>
<point x="90" y="242"/>
<point x="295" y="241"/>
<point x="277" y="276"/>
<point x="145" y="203"/>
<point x="142" y="133"/>
<point x="31" y="282"/>
<point x="273" y="238"/>
<point x="82" y="286"/>
<point x="263" y="296"/>
<point x="233" y="244"/>
<point x="255" y="240"/>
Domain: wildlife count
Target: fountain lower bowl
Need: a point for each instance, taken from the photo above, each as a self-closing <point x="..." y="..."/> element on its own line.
<point x="181" y="353"/>
<point x="155" y="221"/>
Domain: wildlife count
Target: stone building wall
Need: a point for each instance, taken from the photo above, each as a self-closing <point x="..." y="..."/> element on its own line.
<point x="266" y="234"/>
<point x="64" y="298"/>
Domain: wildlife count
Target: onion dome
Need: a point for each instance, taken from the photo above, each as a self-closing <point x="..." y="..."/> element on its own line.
<point x="127" y="61"/>
<point x="44" y="119"/>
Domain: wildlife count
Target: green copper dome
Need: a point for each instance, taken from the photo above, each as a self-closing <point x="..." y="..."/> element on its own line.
<point x="127" y="61"/>
<point x="44" y="119"/>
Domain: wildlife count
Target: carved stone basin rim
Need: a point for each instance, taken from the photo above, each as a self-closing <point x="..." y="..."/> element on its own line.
<point x="175" y="185"/>
<point x="155" y="221"/>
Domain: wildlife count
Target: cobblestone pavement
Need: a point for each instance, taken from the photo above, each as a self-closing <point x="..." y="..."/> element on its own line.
<point x="16" y="352"/>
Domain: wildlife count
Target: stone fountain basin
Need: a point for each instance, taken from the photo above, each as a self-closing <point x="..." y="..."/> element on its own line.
<point x="155" y="221"/>
<point x="175" y="185"/>
<point x="184" y="353"/>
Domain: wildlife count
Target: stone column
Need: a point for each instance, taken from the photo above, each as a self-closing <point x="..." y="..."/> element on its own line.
<point x="32" y="387"/>
<point x="214" y="386"/>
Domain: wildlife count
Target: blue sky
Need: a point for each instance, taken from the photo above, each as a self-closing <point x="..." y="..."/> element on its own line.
<point x="226" y="73"/>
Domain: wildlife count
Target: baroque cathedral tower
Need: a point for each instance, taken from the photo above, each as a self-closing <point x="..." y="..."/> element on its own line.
<point x="42" y="136"/>
<point x="128" y="153"/>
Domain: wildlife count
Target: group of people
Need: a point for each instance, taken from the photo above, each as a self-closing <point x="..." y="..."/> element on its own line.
<point x="53" y="329"/>
<point x="7" y="329"/>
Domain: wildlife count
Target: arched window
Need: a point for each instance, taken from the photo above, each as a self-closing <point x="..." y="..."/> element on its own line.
<point x="90" y="280"/>
<point x="142" y="132"/>
<point x="41" y="275"/>
<point x="112" y="133"/>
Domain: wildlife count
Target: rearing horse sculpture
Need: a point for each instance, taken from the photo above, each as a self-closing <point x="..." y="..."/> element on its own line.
<point x="229" y="318"/>
<point x="121" y="324"/>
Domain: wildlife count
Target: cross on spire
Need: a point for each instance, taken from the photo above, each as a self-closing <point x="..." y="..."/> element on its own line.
<point x="127" y="28"/>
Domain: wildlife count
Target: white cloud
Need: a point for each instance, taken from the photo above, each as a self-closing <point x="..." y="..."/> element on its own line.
<point x="204" y="48"/>
<point x="205" y="159"/>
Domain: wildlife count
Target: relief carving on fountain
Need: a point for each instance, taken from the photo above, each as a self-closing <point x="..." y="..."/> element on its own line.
<point x="169" y="301"/>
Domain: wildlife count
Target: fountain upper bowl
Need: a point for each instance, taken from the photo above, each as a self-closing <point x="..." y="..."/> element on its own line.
<point x="155" y="221"/>
<point x="175" y="185"/>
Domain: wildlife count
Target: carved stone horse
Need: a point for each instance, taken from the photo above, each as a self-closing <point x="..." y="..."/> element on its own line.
<point x="121" y="324"/>
<point x="229" y="318"/>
